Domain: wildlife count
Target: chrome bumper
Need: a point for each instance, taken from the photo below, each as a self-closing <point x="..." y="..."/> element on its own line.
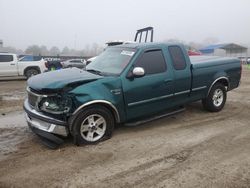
<point x="44" y="123"/>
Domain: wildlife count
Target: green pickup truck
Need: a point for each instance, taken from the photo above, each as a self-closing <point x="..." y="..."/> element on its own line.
<point x="126" y="84"/>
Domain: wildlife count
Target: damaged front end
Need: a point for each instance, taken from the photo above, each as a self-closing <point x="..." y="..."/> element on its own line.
<point x="38" y="109"/>
<point x="49" y="103"/>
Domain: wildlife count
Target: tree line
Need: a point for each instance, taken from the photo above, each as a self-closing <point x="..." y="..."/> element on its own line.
<point x="89" y="50"/>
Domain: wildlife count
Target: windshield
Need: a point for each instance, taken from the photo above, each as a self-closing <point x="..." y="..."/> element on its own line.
<point x="112" y="61"/>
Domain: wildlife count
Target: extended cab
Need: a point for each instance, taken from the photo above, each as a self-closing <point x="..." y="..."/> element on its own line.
<point x="125" y="84"/>
<point x="27" y="66"/>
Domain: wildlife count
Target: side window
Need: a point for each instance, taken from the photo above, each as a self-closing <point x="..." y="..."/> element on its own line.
<point x="6" y="58"/>
<point x="177" y="57"/>
<point x="152" y="61"/>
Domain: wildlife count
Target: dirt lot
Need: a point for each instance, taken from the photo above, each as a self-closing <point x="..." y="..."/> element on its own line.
<point x="191" y="149"/>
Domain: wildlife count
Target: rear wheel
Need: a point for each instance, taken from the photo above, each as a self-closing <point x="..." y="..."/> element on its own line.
<point x="92" y="125"/>
<point x="31" y="72"/>
<point x="216" y="98"/>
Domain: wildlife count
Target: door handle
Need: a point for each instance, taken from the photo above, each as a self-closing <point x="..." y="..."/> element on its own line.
<point x="168" y="81"/>
<point x="12" y="64"/>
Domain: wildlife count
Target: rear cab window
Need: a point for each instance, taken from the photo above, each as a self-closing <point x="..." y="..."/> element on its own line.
<point x="152" y="61"/>
<point x="177" y="57"/>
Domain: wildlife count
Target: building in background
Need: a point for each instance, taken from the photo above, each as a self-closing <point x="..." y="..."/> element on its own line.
<point x="229" y="49"/>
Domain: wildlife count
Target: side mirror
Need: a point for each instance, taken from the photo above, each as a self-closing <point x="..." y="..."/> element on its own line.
<point x="138" y="72"/>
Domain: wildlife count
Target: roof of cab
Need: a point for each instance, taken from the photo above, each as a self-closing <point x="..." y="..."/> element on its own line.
<point x="145" y="45"/>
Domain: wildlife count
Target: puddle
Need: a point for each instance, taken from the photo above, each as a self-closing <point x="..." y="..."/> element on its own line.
<point x="13" y="130"/>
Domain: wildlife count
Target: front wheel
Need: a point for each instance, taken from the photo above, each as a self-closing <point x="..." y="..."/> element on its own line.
<point x="92" y="125"/>
<point x="216" y="98"/>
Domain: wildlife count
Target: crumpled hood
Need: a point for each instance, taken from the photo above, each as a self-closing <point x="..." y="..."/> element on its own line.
<point x="57" y="80"/>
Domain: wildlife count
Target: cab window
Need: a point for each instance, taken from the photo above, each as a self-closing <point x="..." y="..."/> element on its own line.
<point x="6" y="58"/>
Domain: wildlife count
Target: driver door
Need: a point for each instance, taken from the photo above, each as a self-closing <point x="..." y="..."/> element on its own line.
<point x="152" y="92"/>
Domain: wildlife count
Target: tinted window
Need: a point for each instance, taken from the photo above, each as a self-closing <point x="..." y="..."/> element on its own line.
<point x="6" y="58"/>
<point x="152" y="61"/>
<point x="177" y="57"/>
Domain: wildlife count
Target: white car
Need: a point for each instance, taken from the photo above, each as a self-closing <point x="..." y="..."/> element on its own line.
<point x="79" y="63"/>
<point x="26" y="66"/>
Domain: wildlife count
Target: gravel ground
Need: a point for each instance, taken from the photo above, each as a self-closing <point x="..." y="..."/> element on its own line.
<point x="192" y="149"/>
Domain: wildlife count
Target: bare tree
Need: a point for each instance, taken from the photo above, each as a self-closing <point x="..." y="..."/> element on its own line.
<point x="55" y="51"/>
<point x="34" y="50"/>
<point x="65" y="51"/>
<point x="44" y="50"/>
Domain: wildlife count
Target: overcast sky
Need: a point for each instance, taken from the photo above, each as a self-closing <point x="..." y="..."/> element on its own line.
<point x="76" y="23"/>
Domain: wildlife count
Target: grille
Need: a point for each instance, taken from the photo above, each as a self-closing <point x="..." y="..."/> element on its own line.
<point x="32" y="98"/>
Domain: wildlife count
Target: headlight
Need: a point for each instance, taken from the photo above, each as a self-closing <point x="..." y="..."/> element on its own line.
<point x="55" y="104"/>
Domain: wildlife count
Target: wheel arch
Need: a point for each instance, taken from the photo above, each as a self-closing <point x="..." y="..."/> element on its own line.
<point x="31" y="67"/>
<point x="223" y="80"/>
<point x="104" y="103"/>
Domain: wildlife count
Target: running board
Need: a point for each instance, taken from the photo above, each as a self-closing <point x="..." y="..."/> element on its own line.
<point x="136" y="123"/>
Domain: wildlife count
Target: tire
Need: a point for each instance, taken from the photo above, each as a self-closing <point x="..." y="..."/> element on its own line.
<point x="31" y="72"/>
<point x="92" y="125"/>
<point x="216" y="98"/>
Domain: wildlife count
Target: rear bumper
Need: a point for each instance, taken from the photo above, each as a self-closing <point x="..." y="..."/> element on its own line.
<point x="39" y="121"/>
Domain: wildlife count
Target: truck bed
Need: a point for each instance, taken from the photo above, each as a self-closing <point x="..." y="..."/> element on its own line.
<point x="205" y="61"/>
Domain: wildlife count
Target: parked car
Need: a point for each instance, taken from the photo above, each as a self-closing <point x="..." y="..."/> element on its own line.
<point x="192" y="51"/>
<point x="126" y="84"/>
<point x="26" y="66"/>
<point x="79" y="63"/>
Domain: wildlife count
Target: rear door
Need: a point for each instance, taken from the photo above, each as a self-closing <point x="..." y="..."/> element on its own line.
<point x="8" y="65"/>
<point x="151" y="93"/>
<point x="182" y="74"/>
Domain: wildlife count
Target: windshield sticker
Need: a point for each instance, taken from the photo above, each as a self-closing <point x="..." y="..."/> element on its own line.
<point x="129" y="53"/>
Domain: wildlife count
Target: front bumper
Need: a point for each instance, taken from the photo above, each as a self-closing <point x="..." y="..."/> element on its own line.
<point x="39" y="121"/>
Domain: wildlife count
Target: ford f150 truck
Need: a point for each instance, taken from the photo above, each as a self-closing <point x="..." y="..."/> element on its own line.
<point x="124" y="85"/>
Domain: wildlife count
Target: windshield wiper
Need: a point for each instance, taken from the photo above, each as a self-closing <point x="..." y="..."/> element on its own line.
<point x="94" y="71"/>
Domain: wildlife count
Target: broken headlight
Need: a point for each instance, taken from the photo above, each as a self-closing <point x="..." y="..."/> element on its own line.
<point x="55" y="104"/>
